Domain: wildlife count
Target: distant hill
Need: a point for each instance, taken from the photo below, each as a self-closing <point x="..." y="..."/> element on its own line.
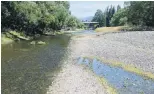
<point x="87" y="18"/>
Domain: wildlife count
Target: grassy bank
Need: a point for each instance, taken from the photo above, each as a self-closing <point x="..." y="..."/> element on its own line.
<point x="126" y="67"/>
<point x="5" y="40"/>
<point x="10" y="36"/>
<point x="124" y="28"/>
<point x="18" y="35"/>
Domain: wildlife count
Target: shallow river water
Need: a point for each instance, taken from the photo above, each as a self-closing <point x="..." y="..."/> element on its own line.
<point x="30" y="69"/>
<point x="123" y="81"/>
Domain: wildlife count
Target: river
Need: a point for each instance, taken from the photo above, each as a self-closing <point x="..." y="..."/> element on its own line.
<point x="30" y="69"/>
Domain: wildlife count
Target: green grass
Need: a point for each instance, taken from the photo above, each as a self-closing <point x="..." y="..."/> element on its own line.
<point x="10" y="36"/>
<point x="19" y="35"/>
<point x="6" y="40"/>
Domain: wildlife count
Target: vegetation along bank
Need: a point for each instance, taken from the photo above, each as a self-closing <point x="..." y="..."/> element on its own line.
<point x="25" y="20"/>
<point x="134" y="16"/>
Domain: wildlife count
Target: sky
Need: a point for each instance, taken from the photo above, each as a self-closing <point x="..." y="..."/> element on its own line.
<point x="82" y="9"/>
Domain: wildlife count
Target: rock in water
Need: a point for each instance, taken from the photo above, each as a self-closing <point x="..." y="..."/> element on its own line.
<point x="41" y="43"/>
<point x="33" y="42"/>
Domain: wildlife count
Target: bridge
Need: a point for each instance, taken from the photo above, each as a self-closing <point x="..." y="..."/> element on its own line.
<point x="92" y="25"/>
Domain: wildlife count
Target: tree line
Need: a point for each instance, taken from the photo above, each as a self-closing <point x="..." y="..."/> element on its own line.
<point x="137" y="13"/>
<point x="33" y="17"/>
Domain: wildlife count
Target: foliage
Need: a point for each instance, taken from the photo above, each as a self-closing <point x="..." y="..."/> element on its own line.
<point x="32" y="17"/>
<point x="119" y="18"/>
<point x="99" y="17"/>
<point x="118" y="7"/>
<point x="109" y="12"/>
<point x="104" y="18"/>
<point x="138" y="13"/>
<point x="137" y="28"/>
<point x="72" y="21"/>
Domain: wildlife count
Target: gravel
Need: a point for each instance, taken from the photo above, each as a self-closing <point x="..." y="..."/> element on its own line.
<point x="136" y="48"/>
<point x="74" y="79"/>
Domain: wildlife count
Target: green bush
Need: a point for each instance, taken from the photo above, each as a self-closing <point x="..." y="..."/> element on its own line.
<point x="137" y="28"/>
<point x="37" y="17"/>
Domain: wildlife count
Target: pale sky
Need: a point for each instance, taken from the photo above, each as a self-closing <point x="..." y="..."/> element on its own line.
<point x="83" y="9"/>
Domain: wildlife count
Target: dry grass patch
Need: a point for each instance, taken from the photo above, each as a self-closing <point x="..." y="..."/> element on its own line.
<point x="109" y="29"/>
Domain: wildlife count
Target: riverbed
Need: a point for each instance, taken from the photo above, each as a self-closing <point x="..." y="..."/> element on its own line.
<point x="32" y="69"/>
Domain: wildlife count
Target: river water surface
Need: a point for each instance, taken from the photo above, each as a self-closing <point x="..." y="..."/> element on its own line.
<point x="123" y="81"/>
<point x="30" y="69"/>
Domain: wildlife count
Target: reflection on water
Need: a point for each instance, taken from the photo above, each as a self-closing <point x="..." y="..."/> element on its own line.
<point x="125" y="82"/>
<point x="29" y="69"/>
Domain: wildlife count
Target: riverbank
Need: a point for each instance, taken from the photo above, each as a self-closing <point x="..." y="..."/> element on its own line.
<point x="109" y="29"/>
<point x="5" y="40"/>
<point x="135" y="48"/>
<point x="11" y="36"/>
<point x="130" y="48"/>
<point x="124" y="28"/>
<point x="74" y="78"/>
<point x="118" y="49"/>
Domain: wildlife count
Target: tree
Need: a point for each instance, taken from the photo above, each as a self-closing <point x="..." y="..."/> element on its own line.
<point x="118" y="7"/>
<point x="109" y="12"/>
<point x="71" y="22"/>
<point x="140" y="13"/>
<point x="119" y="18"/>
<point x="74" y="22"/>
<point x="99" y="17"/>
<point x="61" y="15"/>
<point x="34" y="17"/>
